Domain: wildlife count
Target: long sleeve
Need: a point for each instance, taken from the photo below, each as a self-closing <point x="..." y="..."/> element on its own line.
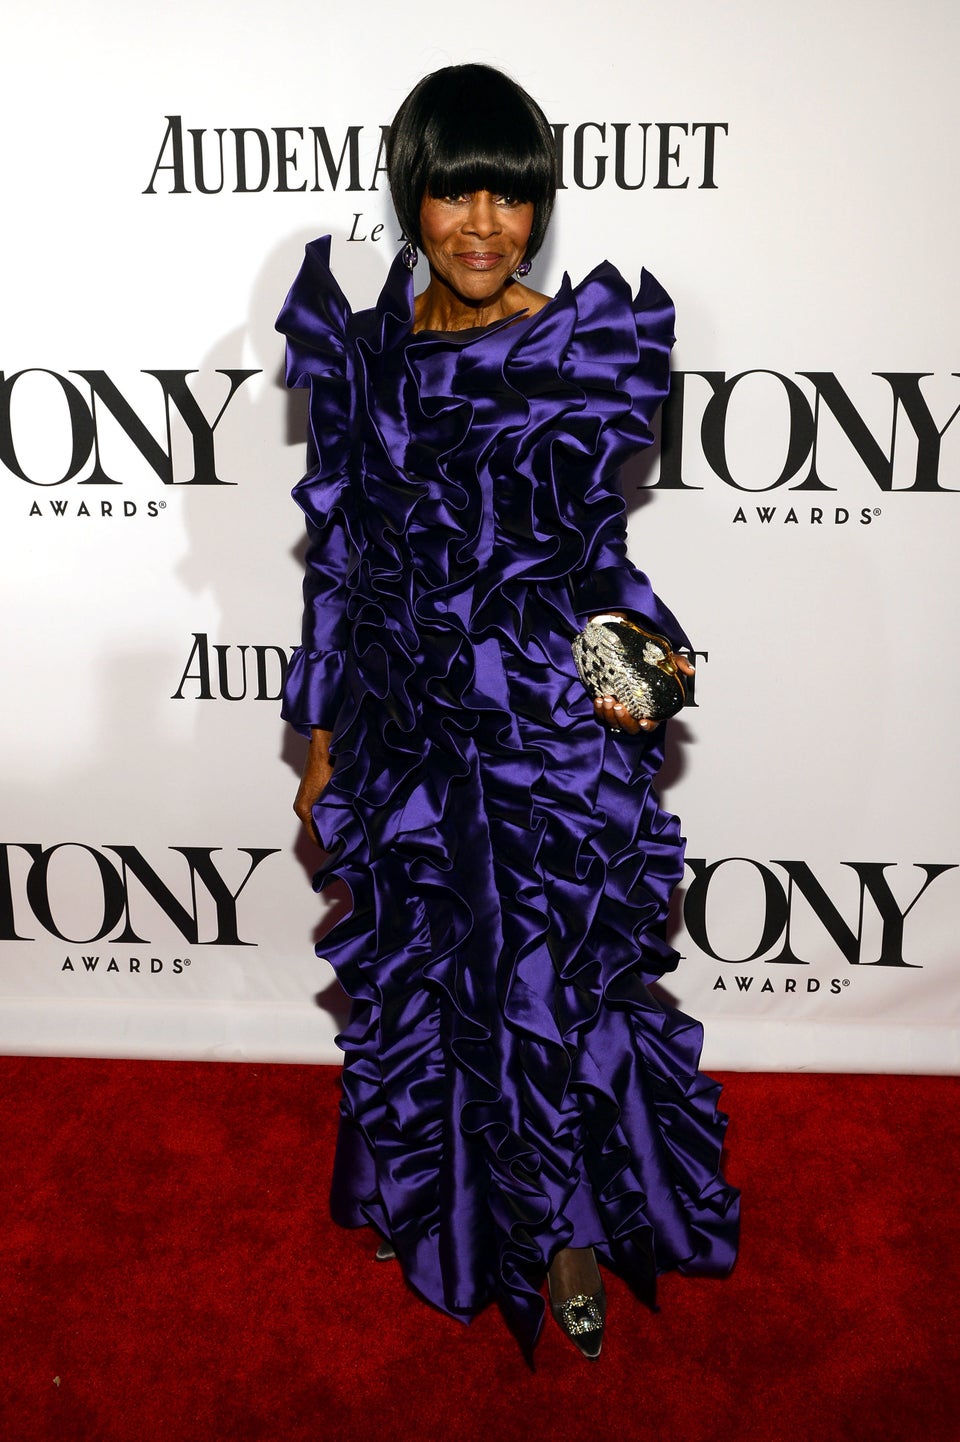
<point x="628" y="365"/>
<point x="609" y="581"/>
<point x="313" y="687"/>
<point x="314" y="320"/>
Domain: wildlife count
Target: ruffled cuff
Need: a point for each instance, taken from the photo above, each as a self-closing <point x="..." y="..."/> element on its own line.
<point x="624" y="588"/>
<point x="313" y="690"/>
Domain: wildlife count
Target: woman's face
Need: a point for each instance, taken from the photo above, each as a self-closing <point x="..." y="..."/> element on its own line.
<point x="474" y="242"/>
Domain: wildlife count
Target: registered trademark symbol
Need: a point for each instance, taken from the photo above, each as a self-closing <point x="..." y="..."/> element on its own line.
<point x="846" y="980"/>
<point x="186" y="962"/>
<point x="163" y="507"/>
<point x="876" y="510"/>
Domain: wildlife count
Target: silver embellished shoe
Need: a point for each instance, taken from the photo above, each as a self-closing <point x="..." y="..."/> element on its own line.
<point x="581" y="1318"/>
<point x="385" y="1253"/>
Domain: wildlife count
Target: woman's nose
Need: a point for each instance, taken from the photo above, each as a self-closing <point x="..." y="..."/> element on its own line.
<point x="482" y="217"/>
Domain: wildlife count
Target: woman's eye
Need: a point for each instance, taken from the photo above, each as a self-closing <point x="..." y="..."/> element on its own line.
<point x="467" y="197"/>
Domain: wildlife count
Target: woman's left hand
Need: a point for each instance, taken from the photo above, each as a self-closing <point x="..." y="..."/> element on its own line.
<point x="615" y="715"/>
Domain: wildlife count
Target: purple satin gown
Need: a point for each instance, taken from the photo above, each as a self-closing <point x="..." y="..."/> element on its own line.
<point x="510" y="1084"/>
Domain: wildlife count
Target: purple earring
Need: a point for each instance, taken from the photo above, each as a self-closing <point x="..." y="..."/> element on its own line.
<point x="410" y="255"/>
<point x="524" y="268"/>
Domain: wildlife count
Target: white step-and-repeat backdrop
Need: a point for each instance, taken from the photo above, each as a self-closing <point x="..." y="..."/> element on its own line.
<point x="790" y="174"/>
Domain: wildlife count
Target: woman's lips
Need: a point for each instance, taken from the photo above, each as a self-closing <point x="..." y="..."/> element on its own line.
<point x="480" y="259"/>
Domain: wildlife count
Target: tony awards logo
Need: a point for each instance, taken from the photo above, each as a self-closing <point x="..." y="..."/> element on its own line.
<point x="772" y="905"/>
<point x="84" y="894"/>
<point x="77" y="417"/>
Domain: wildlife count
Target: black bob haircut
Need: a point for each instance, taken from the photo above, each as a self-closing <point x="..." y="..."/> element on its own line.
<point x="466" y="128"/>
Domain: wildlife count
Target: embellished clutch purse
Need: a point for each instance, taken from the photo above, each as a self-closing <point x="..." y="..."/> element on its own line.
<point x="616" y="657"/>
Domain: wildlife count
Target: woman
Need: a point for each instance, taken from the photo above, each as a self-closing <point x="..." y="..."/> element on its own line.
<point x="515" y="1103"/>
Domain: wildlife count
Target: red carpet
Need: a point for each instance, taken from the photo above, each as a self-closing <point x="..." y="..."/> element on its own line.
<point x="169" y="1272"/>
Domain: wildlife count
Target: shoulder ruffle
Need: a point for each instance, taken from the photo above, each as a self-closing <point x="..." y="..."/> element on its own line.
<point x="314" y="319"/>
<point x="608" y="352"/>
<point x="619" y="352"/>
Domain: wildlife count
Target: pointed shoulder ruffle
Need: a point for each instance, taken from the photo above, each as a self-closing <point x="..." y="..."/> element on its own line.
<point x="611" y="350"/>
<point x="314" y="319"/>
<point x="621" y="341"/>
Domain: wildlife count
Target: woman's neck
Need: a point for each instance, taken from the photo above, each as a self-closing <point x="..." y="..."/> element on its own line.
<point x="440" y="308"/>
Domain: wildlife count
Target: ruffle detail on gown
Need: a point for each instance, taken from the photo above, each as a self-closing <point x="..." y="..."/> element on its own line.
<point x="314" y="319"/>
<point x="511" y="1086"/>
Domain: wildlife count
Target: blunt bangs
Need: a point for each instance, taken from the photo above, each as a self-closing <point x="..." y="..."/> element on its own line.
<point x="465" y="128"/>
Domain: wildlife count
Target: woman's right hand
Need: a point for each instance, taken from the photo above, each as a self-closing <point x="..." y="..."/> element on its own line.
<point x="317" y="770"/>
